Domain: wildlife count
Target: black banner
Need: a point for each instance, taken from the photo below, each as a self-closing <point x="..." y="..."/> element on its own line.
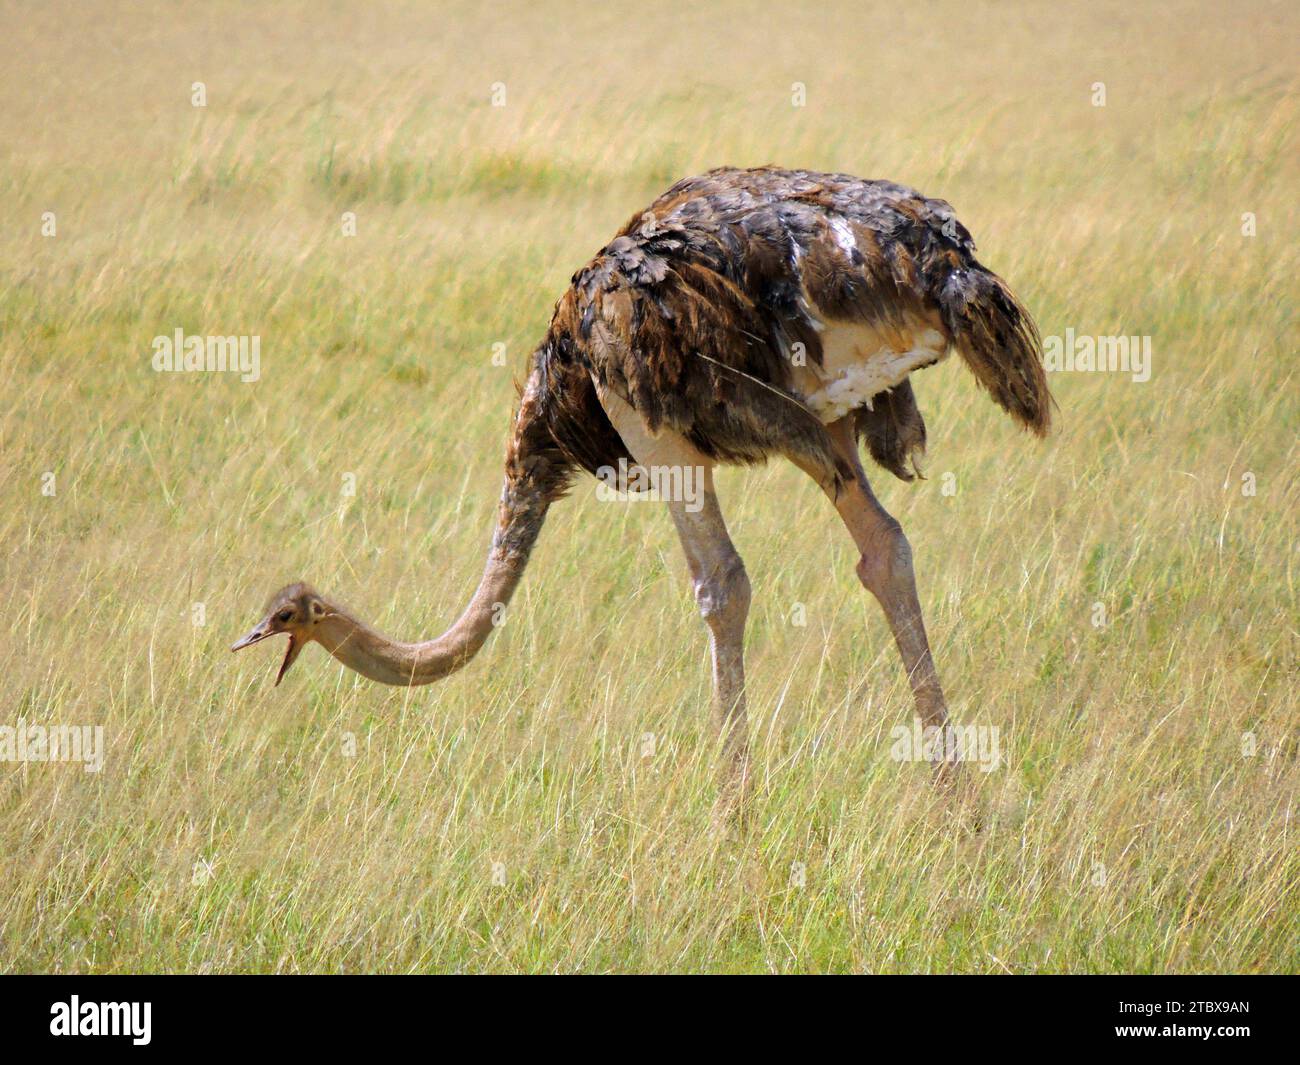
<point x="142" y="1014"/>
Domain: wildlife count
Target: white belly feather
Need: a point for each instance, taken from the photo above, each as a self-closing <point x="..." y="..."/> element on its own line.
<point x="858" y="364"/>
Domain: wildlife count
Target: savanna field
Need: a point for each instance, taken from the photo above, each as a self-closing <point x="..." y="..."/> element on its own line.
<point x="391" y="197"/>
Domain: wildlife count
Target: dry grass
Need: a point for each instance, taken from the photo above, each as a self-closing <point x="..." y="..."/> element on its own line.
<point x="1124" y="743"/>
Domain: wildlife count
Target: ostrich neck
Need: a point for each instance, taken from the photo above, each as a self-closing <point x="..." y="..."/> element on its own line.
<point x="374" y="655"/>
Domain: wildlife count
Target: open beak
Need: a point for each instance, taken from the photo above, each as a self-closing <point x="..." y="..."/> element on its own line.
<point x="261" y="633"/>
<point x="290" y="653"/>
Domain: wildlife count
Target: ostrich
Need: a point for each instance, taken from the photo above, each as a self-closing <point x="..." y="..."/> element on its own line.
<point x="744" y="314"/>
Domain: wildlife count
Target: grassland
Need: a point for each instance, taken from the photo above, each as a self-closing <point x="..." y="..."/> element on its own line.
<point x="513" y="818"/>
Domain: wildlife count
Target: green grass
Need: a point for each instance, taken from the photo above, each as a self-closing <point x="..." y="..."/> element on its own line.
<point x="1126" y="831"/>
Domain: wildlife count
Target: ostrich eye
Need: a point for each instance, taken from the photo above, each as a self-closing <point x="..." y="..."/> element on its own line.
<point x="284" y="616"/>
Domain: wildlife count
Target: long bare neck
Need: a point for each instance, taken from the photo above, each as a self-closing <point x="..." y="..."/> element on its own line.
<point x="372" y="654"/>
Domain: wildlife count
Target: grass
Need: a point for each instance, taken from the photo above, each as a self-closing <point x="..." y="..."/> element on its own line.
<point x="514" y="817"/>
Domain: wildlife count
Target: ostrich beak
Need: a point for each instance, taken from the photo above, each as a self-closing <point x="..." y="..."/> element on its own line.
<point x="256" y="636"/>
<point x="261" y="633"/>
<point x="290" y="653"/>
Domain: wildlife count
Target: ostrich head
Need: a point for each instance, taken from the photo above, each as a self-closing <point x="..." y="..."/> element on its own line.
<point x="296" y="610"/>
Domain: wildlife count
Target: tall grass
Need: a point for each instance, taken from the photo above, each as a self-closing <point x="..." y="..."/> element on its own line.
<point x="516" y="817"/>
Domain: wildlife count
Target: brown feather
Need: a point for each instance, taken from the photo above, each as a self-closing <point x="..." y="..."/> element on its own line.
<point x="693" y="312"/>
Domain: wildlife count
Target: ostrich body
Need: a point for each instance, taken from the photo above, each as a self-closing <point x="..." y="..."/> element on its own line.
<point x="744" y="314"/>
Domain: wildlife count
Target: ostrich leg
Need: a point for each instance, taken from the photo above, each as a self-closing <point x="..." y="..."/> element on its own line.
<point x="718" y="576"/>
<point x="885" y="570"/>
<point x="722" y="593"/>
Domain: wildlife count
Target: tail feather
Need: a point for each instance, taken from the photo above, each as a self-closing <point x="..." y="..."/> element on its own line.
<point x="998" y="341"/>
